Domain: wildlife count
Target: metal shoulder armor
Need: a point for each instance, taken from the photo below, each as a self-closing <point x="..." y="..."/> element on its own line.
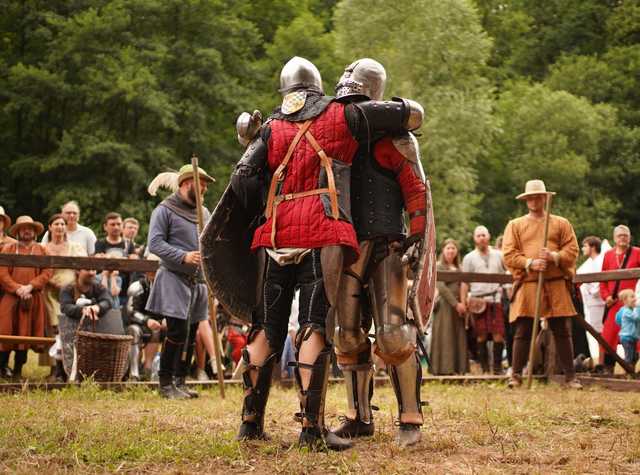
<point x="407" y="145"/>
<point x="248" y="126"/>
<point x="135" y="289"/>
<point x="414" y="113"/>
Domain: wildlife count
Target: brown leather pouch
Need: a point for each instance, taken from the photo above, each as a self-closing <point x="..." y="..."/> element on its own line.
<point x="477" y="305"/>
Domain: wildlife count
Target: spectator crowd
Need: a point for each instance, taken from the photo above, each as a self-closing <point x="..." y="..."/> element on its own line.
<point x="39" y="302"/>
<point x="469" y="330"/>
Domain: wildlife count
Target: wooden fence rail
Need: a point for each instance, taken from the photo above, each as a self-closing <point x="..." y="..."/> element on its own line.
<point x="141" y="265"/>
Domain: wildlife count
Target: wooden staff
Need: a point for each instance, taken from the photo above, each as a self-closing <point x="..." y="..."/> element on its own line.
<point x="607" y="347"/>
<point x="212" y="313"/>
<point x="536" y="318"/>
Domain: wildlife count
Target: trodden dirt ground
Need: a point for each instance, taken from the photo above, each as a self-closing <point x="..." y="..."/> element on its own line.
<point x="481" y="428"/>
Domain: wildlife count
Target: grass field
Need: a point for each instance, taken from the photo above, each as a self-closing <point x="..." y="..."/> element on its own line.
<point x="468" y="429"/>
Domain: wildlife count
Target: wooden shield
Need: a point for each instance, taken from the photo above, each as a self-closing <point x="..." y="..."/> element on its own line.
<point x="422" y="292"/>
<point x="230" y="268"/>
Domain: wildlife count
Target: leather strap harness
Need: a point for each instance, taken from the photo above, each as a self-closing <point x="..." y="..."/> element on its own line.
<point x="274" y="198"/>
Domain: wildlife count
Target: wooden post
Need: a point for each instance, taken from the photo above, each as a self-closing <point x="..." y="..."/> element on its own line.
<point x="538" y="303"/>
<point x="212" y="312"/>
<point x="626" y="366"/>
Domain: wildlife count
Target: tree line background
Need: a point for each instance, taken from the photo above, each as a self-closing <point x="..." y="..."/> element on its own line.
<point x="98" y="96"/>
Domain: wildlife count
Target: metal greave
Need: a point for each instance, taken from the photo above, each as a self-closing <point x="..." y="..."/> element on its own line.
<point x="406" y="379"/>
<point x="255" y="399"/>
<point x="134" y="350"/>
<point x="359" y="384"/>
<point x="312" y="400"/>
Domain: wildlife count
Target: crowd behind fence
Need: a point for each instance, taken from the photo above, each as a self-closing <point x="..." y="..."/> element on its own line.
<point x="234" y="332"/>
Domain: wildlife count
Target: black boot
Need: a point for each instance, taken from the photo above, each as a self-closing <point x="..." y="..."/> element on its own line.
<point x="5" y="372"/>
<point x="314" y="435"/>
<point x="359" y="384"/>
<point x="317" y="439"/>
<point x="19" y="359"/>
<point x="182" y="365"/>
<point x="497" y="358"/>
<point x="255" y="399"/>
<point x="59" y="375"/>
<point x="483" y="356"/>
<point x="167" y="388"/>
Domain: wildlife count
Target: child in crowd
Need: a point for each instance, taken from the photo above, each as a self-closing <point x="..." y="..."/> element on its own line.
<point x="628" y="319"/>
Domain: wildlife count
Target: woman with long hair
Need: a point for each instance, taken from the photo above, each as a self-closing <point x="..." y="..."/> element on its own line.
<point x="449" y="338"/>
<point x="58" y="245"/>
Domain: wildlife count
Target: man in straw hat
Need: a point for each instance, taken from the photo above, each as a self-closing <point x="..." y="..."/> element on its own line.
<point x="179" y="293"/>
<point x="5" y="224"/>
<point x="525" y="257"/>
<point x="22" y="308"/>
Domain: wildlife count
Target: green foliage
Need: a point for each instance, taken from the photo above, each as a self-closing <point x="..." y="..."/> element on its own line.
<point x="97" y="96"/>
<point x="438" y="59"/>
<point x="554" y="136"/>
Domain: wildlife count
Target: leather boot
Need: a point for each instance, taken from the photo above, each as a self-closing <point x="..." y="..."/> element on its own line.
<point x="497" y="358"/>
<point x="359" y="384"/>
<point x="181" y="385"/>
<point x="60" y="375"/>
<point x="166" y="386"/>
<point x="314" y="435"/>
<point x="255" y="399"/>
<point x="318" y="440"/>
<point x="483" y="356"/>
<point x="182" y="366"/>
<point x="19" y="359"/>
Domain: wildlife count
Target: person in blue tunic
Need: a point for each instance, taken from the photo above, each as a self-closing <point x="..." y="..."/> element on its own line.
<point x="179" y="292"/>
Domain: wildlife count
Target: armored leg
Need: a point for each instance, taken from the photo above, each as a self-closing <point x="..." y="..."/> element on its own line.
<point x="353" y="348"/>
<point x="265" y="344"/>
<point x="358" y="379"/>
<point x="406" y="379"/>
<point x="311" y="393"/>
<point x="256" y="396"/>
<point x="396" y="343"/>
<point x="134" y="351"/>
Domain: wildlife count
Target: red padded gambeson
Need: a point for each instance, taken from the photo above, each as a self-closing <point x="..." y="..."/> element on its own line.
<point x="302" y="223"/>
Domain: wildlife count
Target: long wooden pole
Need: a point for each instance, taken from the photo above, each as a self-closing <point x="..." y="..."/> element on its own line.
<point x="537" y="308"/>
<point x="608" y="348"/>
<point x="212" y="312"/>
<point x="34" y="340"/>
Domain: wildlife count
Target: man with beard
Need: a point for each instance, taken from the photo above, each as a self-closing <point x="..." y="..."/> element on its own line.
<point x="484" y="300"/>
<point x="306" y="147"/>
<point x="387" y="180"/>
<point x="22" y="308"/>
<point x="179" y="293"/>
<point x="526" y="258"/>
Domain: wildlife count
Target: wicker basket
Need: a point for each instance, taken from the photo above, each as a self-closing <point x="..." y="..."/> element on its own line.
<point x="101" y="355"/>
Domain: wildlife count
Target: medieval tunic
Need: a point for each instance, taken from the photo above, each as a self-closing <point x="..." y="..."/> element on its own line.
<point x="16" y="316"/>
<point x="449" y="337"/>
<point x="522" y="242"/>
<point x="60" y="278"/>
<point x="173" y="233"/>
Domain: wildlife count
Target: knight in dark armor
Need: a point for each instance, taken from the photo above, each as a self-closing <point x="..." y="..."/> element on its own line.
<point x="295" y="175"/>
<point x="144" y="326"/>
<point x="387" y="180"/>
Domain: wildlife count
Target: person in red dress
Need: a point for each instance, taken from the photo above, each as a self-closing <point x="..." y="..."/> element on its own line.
<point x="614" y="260"/>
